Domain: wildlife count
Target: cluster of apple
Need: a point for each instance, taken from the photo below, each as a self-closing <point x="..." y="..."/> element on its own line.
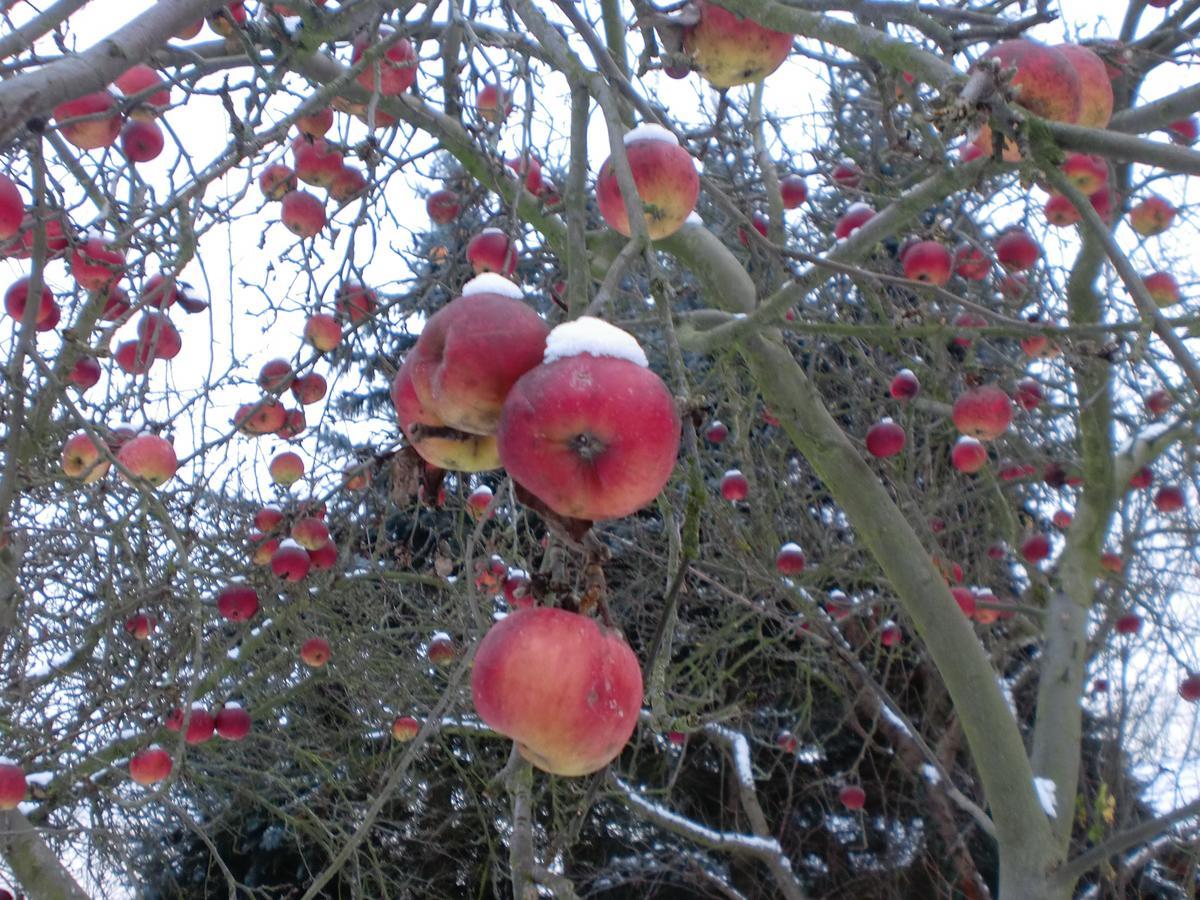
<point x="154" y="764"/>
<point x="126" y="112"/>
<point x="143" y="458"/>
<point x="578" y="419"/>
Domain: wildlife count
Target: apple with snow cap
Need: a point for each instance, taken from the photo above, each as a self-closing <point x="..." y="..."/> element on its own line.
<point x="492" y="251"/>
<point x="574" y="723"/>
<point x="666" y="181"/>
<point x="592" y="432"/>
<point x="472" y="351"/>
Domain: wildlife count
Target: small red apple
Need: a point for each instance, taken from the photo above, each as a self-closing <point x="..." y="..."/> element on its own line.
<point x="734" y="486"/>
<point x="971" y="263"/>
<point x="1184" y="131"/>
<point x="290" y="561"/>
<point x="1168" y="499"/>
<point x="790" y="559"/>
<point x="310" y="533"/>
<point x="441" y="650"/>
<point x="1162" y="288"/>
<point x="103" y="123"/>
<point x="716" y="432"/>
<point x="238" y="603"/>
<point x="302" y="214"/>
<point x="315" y="652"/>
<point x="852" y="797"/>
<point x="983" y="412"/>
<point x="1016" y="250"/>
<point x="142" y="141"/>
<point x="405" y="728"/>
<point x="149" y="458"/>
<point x="1129" y="623"/>
<point x="232" y="722"/>
<point x="968" y="455"/>
<point x="277" y="181"/>
<point x="1152" y="216"/>
<point x="443" y="206"/>
<point x="286" y="468"/>
<point x="847" y="174"/>
<point x="793" y="191"/>
<point x="1035" y="548"/>
<point x="884" y="439"/>
<point x="493" y="103"/>
<point x="392" y="74"/>
<point x="927" y="261"/>
<point x="1189" y="688"/>
<point x="150" y="766"/>
<point x="491" y="251"/>
<point x="96" y="265"/>
<point x="1028" y="394"/>
<point x="855" y="216"/>
<point x="665" y="177"/>
<point x="140" y="626"/>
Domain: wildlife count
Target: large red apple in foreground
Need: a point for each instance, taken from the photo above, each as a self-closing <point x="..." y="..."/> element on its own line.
<point x="592" y="432"/>
<point x="577" y="721"/>
<point x="666" y="181"/>
<point x="472" y="351"/>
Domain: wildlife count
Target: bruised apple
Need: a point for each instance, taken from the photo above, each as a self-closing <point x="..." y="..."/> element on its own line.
<point x="666" y="181"/>
<point x="436" y="442"/>
<point x="592" y="432"/>
<point x="472" y="351"/>
<point x="574" y="723"/>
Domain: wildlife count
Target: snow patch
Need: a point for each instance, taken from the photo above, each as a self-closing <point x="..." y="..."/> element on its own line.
<point x="289" y="543"/>
<point x="1046" y="795"/>
<point x="492" y="283"/>
<point x="492" y="231"/>
<point x="41" y="779"/>
<point x="932" y="775"/>
<point x="693" y="219"/>
<point x="741" y="753"/>
<point x="440" y="636"/>
<point x="594" y="337"/>
<point x="651" y="132"/>
<point x="789" y="547"/>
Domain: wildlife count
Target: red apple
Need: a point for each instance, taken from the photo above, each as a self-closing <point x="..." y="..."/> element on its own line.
<point x="1158" y="402"/>
<point x="728" y="49"/>
<point x="927" y="261"/>
<point x="149" y="458"/>
<point x="290" y="561"/>
<point x="12" y="209"/>
<point x="1189" y="688"/>
<point x="355" y="302"/>
<point x="140" y="626"/>
<point x="17" y="295"/>
<point x="493" y="103"/>
<point x="264" y="417"/>
<point x="1044" y="81"/>
<point x="1142" y="478"/>
<point x="1035" y="548"/>
<point x="1111" y="562"/>
<point x="1129" y="623"/>
<point x="150" y="766"/>
<point x="1088" y="173"/>
<point x="792" y="191"/>
<point x="984" y="412"/>
<point x="734" y="486"/>
<point x="890" y="634"/>
<point x="201" y="726"/>
<point x="405" y="728"/>
<point x="1184" y="131"/>
<point x="852" y="797"/>
<point x="592" y="432"/>
<point x="277" y="181"/>
<point x="479" y="500"/>
<point x="302" y="214"/>
<point x="323" y="331"/>
<point x="441" y="650"/>
<point x="443" y="206"/>
<point x="348" y="183"/>
<point x="437" y="443"/>
<point x="275" y="375"/>
<point x="971" y="263"/>
<point x="965" y="600"/>
<point x="392" y="74"/>
<point x="309" y="388"/>
<point x="1152" y="216"/>
<point x="158" y="336"/>
<point x="665" y="177"/>
<point x="1095" y="87"/>
<point x="100" y="130"/>
<point x="847" y="174"/>
<point x="968" y="455"/>
<point x="1168" y="499"/>
<point x="323" y="557"/>
<point x="904" y="385"/>
<point x="315" y="125"/>
<point x="1016" y="250"/>
<point x="81" y="458"/>
<point x="716" y="432"/>
<point x="233" y="723"/>
<point x="12" y="785"/>
<point x="1062" y="519"/>
<point x="1061" y="212"/>
<point x="96" y="265"/>
<point x="286" y="468"/>
<point x="238" y="603"/>
<point x="472" y="351"/>
<point x="855" y="216"/>
<point x="315" y="652"/>
<point x="491" y="251"/>
<point x="518" y="593"/>
<point x="310" y="532"/>
<point x="1029" y="394"/>
<point x="142" y="141"/>
<point x="574" y="723"/>
<point x="1163" y="289"/>
<point x="789" y="560"/>
<point x="884" y="439"/>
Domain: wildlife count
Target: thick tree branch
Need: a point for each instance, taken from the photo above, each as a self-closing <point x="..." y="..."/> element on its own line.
<point x="35" y="94"/>
<point x="35" y="865"/>
<point x="1070" y="872"/>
